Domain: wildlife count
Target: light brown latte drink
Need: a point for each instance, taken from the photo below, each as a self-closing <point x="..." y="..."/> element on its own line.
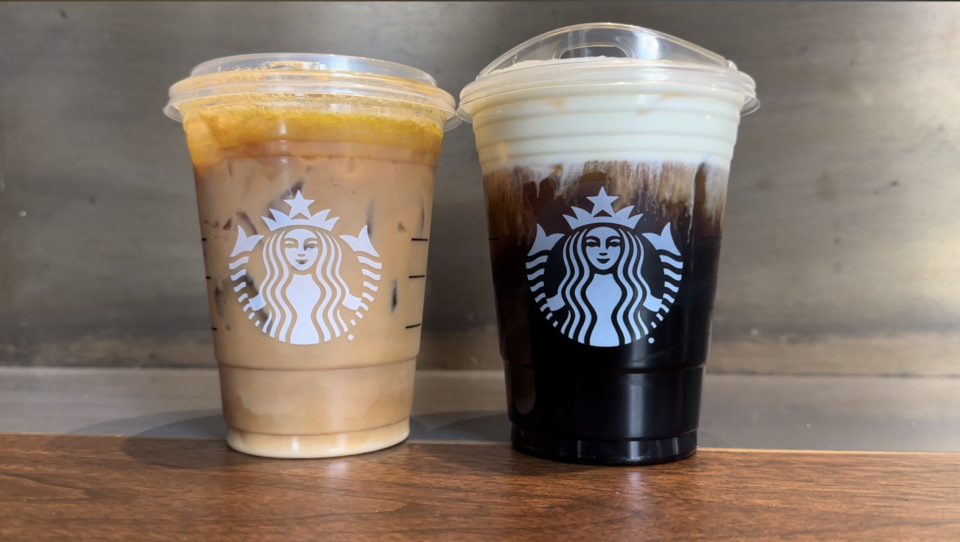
<point x="315" y="182"/>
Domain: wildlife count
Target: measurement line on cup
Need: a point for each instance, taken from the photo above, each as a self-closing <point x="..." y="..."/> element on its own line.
<point x="417" y="276"/>
<point x="413" y="326"/>
<point x="209" y="278"/>
<point x="203" y="238"/>
<point x="213" y="328"/>
<point x="419" y="239"/>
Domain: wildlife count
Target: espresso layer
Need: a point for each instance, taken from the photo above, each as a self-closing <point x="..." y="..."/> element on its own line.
<point x="668" y="190"/>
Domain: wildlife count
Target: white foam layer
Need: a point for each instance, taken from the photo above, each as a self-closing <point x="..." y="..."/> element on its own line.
<point x="546" y="128"/>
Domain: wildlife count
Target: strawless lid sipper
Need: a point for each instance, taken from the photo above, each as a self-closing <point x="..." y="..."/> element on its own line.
<point x="606" y="93"/>
<point x="599" y="54"/>
<point x="282" y="75"/>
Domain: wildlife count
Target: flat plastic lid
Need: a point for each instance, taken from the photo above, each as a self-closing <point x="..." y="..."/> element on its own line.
<point x="601" y="54"/>
<point x="312" y="74"/>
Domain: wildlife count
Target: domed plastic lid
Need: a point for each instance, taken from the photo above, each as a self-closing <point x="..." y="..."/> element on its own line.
<point x="311" y="74"/>
<point x="606" y="53"/>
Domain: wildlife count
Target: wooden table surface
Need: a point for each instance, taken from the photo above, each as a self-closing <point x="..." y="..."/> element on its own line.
<point x="57" y="487"/>
<point x="880" y="414"/>
<point x="91" y="454"/>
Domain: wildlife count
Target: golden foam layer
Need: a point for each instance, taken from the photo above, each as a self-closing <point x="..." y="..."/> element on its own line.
<point x="214" y="125"/>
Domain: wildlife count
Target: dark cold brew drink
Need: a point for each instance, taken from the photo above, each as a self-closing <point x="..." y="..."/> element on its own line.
<point x="605" y="285"/>
<point x="605" y="205"/>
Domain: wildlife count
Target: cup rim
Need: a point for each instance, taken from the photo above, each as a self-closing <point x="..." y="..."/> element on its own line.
<point x="302" y="74"/>
<point x="538" y="64"/>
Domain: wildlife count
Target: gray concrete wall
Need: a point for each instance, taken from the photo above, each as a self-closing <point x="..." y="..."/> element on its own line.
<point x="840" y="250"/>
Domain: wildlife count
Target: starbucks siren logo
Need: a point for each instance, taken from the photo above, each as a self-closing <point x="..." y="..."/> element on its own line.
<point x="303" y="299"/>
<point x="593" y="282"/>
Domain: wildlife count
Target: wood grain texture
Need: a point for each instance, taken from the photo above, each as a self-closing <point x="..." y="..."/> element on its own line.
<point x="103" y="488"/>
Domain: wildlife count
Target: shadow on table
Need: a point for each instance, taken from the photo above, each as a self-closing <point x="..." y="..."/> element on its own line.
<point x="177" y="424"/>
<point x="466" y="426"/>
<point x="472" y="426"/>
<point x="194" y="428"/>
<point x="490" y="428"/>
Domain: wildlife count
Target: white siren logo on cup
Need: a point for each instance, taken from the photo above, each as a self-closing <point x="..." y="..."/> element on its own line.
<point x="303" y="298"/>
<point x="594" y="283"/>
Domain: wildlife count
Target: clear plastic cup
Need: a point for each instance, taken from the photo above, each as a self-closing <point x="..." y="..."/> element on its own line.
<point x="605" y="151"/>
<point x="315" y="178"/>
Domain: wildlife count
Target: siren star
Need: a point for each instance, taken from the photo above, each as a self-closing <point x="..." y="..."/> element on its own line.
<point x="602" y="202"/>
<point x="300" y="206"/>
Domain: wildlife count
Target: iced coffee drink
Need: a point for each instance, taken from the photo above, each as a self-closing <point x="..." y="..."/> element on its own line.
<point x="314" y="178"/>
<point x="605" y="152"/>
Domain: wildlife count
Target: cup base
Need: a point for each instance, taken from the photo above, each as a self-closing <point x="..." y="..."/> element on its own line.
<point x="604" y="452"/>
<point x="318" y="446"/>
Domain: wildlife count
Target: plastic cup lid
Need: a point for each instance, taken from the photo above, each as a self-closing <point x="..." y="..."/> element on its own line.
<point x="601" y="54"/>
<point x="311" y="74"/>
